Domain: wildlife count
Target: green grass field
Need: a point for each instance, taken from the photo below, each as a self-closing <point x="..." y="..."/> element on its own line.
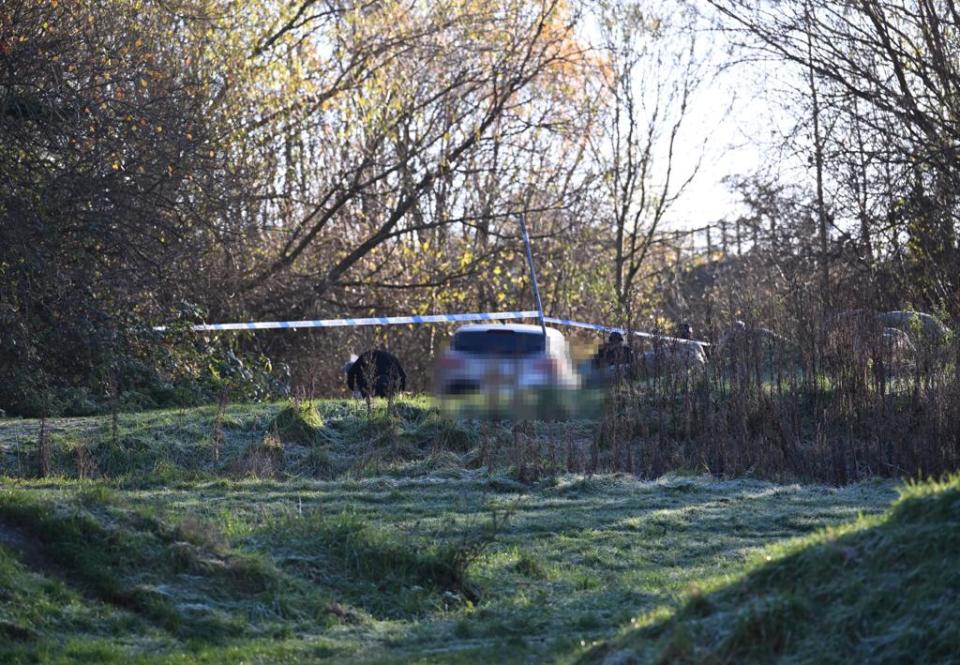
<point x="376" y="539"/>
<point x="882" y="589"/>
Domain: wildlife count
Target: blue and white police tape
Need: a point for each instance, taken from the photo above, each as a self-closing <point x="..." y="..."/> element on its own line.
<point x="369" y="321"/>
<point x="593" y="326"/>
<point x="419" y="319"/>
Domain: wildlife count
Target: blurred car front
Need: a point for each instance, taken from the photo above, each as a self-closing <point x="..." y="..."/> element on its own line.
<point x="505" y="364"/>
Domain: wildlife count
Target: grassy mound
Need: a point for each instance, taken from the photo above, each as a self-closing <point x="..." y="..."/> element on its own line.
<point x="321" y="439"/>
<point x="82" y="572"/>
<point x="299" y="422"/>
<point x="384" y="569"/>
<point x="882" y="589"/>
<point x="170" y="582"/>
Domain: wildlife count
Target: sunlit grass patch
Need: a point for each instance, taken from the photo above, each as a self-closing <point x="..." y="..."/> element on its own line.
<point x="881" y="588"/>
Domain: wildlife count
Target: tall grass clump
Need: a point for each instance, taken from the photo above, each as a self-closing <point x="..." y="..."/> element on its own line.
<point x="298" y="422"/>
<point x="832" y="397"/>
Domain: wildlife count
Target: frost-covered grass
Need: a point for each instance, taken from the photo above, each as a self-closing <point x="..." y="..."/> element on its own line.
<point x="361" y="570"/>
<point x="322" y="532"/>
<point x="880" y="589"/>
<point x="323" y="439"/>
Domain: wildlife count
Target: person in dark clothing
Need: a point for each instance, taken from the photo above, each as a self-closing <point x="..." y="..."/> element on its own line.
<point x="685" y="331"/>
<point x="613" y="352"/>
<point x="376" y="373"/>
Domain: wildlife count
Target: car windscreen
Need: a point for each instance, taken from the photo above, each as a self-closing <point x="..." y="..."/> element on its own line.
<point x="498" y="342"/>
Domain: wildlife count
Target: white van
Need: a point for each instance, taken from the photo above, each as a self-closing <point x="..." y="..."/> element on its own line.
<point x="503" y="356"/>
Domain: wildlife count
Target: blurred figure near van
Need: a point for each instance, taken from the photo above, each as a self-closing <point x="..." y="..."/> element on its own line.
<point x="376" y="373"/>
<point x="613" y="352"/>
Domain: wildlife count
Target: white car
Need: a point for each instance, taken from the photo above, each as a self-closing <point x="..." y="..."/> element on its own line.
<point x="504" y="358"/>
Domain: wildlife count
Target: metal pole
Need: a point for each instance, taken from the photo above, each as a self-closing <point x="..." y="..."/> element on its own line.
<point x="533" y="275"/>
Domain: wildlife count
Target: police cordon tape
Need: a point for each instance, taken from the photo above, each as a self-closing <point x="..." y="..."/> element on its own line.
<point x="594" y="326"/>
<point x="417" y="320"/>
<point x="369" y="321"/>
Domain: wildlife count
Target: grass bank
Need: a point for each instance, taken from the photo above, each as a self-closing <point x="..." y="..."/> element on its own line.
<point x="293" y="533"/>
<point x="880" y="589"/>
<point x="374" y="570"/>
